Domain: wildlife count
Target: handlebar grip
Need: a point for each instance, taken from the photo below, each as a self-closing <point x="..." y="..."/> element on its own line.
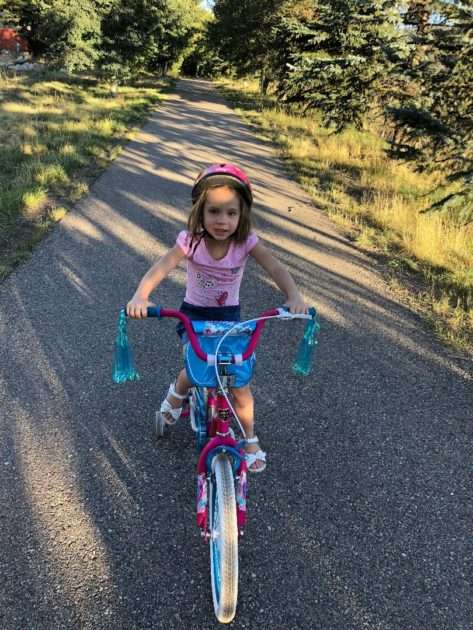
<point x="151" y="311"/>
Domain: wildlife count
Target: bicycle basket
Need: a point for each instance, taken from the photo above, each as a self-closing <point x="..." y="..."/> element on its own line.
<point x="210" y="333"/>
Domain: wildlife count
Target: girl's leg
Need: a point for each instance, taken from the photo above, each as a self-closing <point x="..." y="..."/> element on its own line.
<point x="172" y="402"/>
<point x="182" y="387"/>
<point x="244" y="407"/>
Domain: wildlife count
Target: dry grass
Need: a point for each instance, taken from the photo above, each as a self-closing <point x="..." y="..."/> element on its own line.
<point x="57" y="134"/>
<point x="383" y="203"/>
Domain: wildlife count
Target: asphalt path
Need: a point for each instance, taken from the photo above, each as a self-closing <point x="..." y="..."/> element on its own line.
<point x="363" y="518"/>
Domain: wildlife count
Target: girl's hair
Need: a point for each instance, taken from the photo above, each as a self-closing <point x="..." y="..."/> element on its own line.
<point x="195" y="223"/>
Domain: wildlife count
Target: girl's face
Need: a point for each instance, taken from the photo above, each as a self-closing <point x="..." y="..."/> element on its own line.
<point x="221" y="212"/>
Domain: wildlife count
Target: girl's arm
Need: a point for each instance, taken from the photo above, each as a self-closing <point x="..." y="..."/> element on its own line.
<point x="138" y="304"/>
<point x="281" y="277"/>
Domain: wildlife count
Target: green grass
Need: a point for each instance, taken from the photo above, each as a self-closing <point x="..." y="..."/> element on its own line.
<point x="57" y="134"/>
<point x="381" y="203"/>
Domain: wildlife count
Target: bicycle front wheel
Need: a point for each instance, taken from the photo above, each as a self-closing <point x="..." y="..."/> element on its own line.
<point x="223" y="539"/>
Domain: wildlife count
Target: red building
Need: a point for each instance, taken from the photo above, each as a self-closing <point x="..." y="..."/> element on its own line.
<point x="10" y="40"/>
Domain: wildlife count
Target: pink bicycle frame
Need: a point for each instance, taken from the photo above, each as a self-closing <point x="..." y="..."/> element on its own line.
<point x="219" y="425"/>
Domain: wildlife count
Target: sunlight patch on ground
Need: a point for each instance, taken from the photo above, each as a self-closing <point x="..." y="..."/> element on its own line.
<point x="84" y="227"/>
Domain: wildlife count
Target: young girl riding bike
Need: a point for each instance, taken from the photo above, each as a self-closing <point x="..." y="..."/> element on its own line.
<point x="216" y="244"/>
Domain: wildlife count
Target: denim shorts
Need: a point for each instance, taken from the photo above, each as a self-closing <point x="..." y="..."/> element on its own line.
<point x="208" y="313"/>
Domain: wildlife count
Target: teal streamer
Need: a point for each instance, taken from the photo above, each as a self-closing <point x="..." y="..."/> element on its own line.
<point x="305" y="354"/>
<point x="124" y="368"/>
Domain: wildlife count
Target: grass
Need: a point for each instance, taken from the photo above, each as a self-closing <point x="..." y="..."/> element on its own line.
<point x="57" y="134"/>
<point x="381" y="203"/>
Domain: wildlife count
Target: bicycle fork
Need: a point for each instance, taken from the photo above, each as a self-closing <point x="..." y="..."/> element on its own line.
<point x="221" y="441"/>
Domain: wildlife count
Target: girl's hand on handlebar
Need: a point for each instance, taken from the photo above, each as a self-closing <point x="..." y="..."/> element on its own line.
<point x="137" y="307"/>
<point x="297" y="305"/>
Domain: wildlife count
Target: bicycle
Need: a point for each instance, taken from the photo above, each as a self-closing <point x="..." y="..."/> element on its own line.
<point x="218" y="356"/>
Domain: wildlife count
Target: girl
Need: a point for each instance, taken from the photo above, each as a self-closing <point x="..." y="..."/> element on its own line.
<point x="216" y="244"/>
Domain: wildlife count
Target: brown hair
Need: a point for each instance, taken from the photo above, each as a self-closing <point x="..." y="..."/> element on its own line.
<point x="195" y="222"/>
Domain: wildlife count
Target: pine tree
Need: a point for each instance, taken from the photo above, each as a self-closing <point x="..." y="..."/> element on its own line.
<point x="294" y="35"/>
<point x="434" y="116"/>
<point x="339" y="58"/>
<point x="145" y="35"/>
<point x="242" y="34"/>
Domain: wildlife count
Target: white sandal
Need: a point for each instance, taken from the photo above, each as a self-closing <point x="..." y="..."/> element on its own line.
<point x="259" y="456"/>
<point x="168" y="415"/>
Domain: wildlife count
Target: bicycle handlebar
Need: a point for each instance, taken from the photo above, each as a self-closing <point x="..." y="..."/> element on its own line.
<point x="124" y="366"/>
<point x="280" y="313"/>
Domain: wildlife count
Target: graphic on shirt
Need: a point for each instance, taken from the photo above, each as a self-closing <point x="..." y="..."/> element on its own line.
<point x="204" y="281"/>
<point x="222" y="298"/>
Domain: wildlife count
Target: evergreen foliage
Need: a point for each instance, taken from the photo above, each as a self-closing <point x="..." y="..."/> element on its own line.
<point x="242" y="34"/>
<point x="339" y="57"/>
<point x="64" y="33"/>
<point x="434" y="114"/>
<point x="8" y="18"/>
<point x="120" y="37"/>
<point x="202" y="59"/>
<point x="134" y="37"/>
<point x="349" y="59"/>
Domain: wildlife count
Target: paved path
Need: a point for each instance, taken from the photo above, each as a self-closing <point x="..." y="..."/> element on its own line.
<point x="363" y="518"/>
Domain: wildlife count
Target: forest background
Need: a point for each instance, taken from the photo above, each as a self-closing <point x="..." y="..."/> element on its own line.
<point x="369" y="102"/>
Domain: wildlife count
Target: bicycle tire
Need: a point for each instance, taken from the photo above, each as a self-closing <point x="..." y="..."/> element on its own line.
<point x="223" y="539"/>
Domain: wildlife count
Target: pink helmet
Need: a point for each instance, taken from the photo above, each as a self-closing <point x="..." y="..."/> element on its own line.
<point x="221" y="175"/>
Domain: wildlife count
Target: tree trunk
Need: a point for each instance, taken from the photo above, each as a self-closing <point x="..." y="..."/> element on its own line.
<point x="263" y="83"/>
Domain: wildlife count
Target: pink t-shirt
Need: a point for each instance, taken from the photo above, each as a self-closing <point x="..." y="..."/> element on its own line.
<point x="213" y="282"/>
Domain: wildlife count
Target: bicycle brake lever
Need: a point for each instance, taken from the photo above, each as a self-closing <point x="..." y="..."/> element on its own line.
<point x="284" y="313"/>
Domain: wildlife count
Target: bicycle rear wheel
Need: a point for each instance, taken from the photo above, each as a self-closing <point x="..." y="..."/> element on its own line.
<point x="223" y="539"/>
